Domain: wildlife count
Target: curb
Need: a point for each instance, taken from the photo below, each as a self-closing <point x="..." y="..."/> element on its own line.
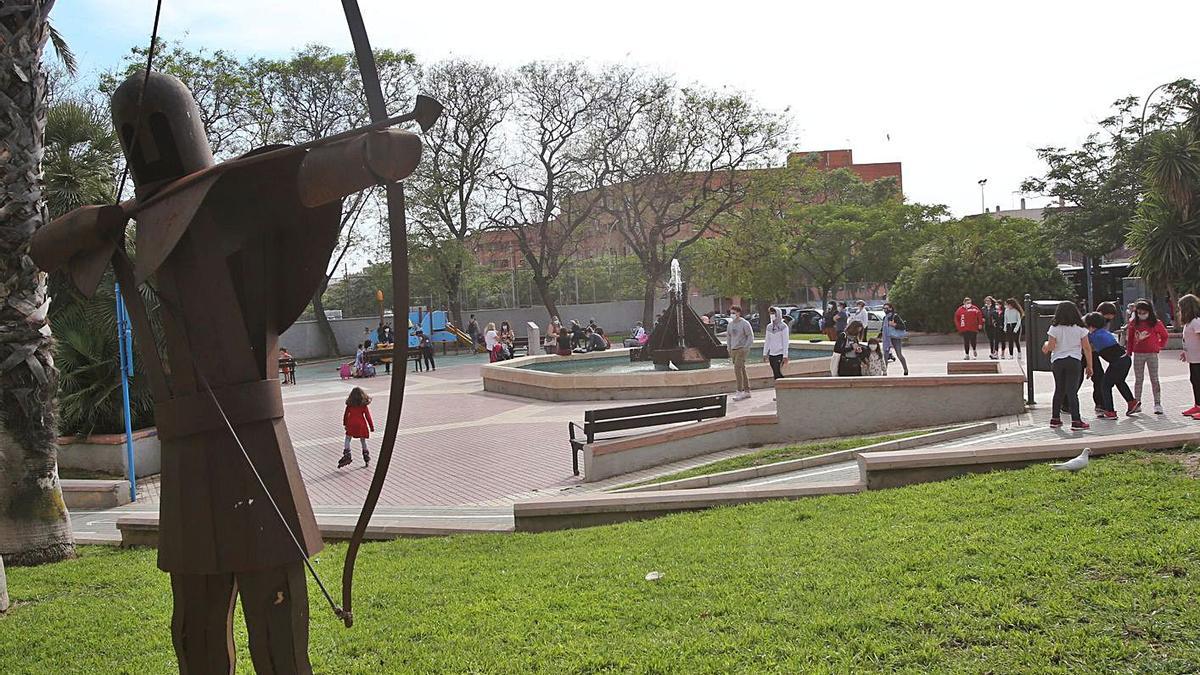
<point x="736" y="475"/>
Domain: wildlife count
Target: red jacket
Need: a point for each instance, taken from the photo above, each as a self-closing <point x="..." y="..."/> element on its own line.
<point x="1143" y="338"/>
<point x="968" y="319"/>
<point x="357" y="421"/>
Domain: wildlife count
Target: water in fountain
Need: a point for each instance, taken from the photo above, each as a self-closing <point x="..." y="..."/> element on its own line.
<point x="676" y="286"/>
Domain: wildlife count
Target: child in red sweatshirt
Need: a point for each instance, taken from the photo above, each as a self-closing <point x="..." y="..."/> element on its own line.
<point x="1146" y="336"/>
<point x="358" y="424"/>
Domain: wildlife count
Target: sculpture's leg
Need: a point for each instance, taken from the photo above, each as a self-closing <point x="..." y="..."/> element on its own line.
<point x="275" y="602"/>
<point x="202" y="622"/>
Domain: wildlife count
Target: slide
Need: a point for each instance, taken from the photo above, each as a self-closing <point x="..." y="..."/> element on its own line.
<point x="463" y="338"/>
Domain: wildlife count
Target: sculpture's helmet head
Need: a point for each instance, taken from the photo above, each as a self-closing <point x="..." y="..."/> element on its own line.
<point x="170" y="140"/>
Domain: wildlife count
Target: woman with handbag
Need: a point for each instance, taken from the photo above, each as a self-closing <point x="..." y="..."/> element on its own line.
<point x="848" y="352"/>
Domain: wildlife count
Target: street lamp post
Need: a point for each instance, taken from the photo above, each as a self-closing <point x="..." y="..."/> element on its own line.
<point x="982" y="201"/>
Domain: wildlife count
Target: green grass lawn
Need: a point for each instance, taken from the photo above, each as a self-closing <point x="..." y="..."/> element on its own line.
<point x="1024" y="571"/>
<point x="772" y="455"/>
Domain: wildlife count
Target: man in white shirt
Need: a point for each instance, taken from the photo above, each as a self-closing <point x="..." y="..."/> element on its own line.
<point x="775" y="346"/>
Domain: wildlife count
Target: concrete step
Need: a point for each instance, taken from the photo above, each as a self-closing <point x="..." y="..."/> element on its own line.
<point x="141" y="528"/>
<point x="94" y="495"/>
<point x="604" y="509"/>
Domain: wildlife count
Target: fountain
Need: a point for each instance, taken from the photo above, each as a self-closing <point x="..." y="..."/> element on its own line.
<point x="680" y="340"/>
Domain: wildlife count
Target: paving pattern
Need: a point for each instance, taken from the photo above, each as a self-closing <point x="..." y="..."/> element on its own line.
<point x="460" y="445"/>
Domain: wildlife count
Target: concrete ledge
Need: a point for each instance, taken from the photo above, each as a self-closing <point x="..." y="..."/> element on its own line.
<point x="884" y="381"/>
<point x="906" y="467"/>
<point x="966" y="367"/>
<point x="141" y="529"/>
<point x="788" y="466"/>
<point x="561" y="514"/>
<point x="812" y="408"/>
<point x="94" y="495"/>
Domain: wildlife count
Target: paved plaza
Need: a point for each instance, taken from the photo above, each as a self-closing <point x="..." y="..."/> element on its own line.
<point x="464" y="455"/>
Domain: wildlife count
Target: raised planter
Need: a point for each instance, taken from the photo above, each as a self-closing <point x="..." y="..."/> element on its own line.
<point x="816" y="407"/>
<point x="105" y="453"/>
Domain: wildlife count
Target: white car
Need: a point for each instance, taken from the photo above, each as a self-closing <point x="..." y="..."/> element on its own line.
<point x="874" y="322"/>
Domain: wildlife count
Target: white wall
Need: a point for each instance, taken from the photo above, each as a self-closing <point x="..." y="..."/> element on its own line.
<point x="303" y="339"/>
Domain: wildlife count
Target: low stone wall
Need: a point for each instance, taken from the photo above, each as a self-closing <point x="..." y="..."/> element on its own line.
<point x="106" y="453"/>
<point x="821" y="407"/>
<point x="907" y="467"/>
<point x="508" y="377"/>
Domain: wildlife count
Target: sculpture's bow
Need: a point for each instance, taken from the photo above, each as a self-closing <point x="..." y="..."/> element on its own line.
<point x="426" y="113"/>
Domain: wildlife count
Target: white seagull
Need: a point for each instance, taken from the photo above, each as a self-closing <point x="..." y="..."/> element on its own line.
<point x="1077" y="464"/>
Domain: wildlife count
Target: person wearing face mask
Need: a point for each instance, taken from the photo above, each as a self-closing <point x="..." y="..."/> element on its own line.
<point x="1013" y="318"/>
<point x="993" y="324"/>
<point x="860" y="314"/>
<point x="968" y="321"/>
<point x="740" y="337"/>
<point x="775" y="346"/>
<point x="1145" y="337"/>
<point x="892" y="335"/>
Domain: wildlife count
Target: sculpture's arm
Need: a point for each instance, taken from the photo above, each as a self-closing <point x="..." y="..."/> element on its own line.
<point x="82" y="241"/>
<point x="331" y="172"/>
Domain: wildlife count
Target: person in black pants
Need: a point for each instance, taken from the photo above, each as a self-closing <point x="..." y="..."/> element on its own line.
<point x="1105" y="347"/>
<point x="425" y="345"/>
<point x="1070" y="353"/>
<point x="1109" y="311"/>
<point x="993" y="325"/>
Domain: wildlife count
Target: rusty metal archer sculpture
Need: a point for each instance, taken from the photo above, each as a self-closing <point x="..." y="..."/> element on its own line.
<point x="235" y="518"/>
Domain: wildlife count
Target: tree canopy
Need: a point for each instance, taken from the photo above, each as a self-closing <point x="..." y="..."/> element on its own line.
<point x="975" y="257"/>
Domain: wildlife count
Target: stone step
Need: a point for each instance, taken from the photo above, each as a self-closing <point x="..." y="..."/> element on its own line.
<point x="563" y="514"/>
<point x="94" y="495"/>
<point x="141" y="529"/>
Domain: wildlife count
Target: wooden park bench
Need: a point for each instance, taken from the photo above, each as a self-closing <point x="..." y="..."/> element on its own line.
<point x="642" y="416"/>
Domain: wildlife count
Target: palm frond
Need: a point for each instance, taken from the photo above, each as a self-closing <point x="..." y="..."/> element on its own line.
<point x="63" y="50"/>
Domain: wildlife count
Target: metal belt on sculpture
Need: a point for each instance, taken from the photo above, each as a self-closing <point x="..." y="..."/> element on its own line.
<point x="235" y="252"/>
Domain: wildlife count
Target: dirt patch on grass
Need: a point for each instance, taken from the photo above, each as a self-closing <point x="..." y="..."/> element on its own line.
<point x="1190" y="461"/>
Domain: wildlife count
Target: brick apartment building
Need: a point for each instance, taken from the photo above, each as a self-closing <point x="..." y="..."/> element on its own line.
<point x="498" y="250"/>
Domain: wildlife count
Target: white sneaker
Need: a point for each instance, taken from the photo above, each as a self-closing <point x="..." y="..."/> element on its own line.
<point x="737" y="396"/>
<point x="1158" y="409"/>
<point x="747" y="394"/>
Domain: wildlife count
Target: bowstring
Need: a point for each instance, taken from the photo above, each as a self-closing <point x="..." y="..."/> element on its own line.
<point x="258" y="477"/>
<point x="337" y="610"/>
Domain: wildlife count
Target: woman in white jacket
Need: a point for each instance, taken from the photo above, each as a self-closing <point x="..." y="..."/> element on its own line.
<point x="775" y="347"/>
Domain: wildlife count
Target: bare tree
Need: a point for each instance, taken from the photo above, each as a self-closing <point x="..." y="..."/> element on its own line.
<point x="566" y="119"/>
<point x="316" y="93"/>
<point x="461" y="150"/>
<point x="677" y="171"/>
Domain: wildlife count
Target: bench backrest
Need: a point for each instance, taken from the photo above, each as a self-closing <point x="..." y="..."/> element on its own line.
<point x="652" y="414"/>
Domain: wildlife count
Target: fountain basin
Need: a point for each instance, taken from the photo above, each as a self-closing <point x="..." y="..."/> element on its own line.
<point x="609" y="375"/>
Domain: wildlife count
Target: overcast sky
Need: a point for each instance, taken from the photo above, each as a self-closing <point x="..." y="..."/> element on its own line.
<point x="965" y="90"/>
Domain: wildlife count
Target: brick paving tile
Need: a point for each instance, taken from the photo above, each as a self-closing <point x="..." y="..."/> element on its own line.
<point x="460" y="445"/>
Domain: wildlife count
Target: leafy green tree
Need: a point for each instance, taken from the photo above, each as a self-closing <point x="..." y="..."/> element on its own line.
<point x="976" y="257"/>
<point x="1166" y="232"/>
<point x="803" y="226"/>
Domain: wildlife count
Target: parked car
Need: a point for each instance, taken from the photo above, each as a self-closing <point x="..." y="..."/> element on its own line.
<point x="803" y="320"/>
<point x="874" y="322"/>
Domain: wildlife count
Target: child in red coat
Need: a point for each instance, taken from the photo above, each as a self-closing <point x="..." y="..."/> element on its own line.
<point x="358" y="424"/>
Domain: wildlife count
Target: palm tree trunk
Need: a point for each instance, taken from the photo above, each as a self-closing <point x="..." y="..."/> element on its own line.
<point x="34" y="525"/>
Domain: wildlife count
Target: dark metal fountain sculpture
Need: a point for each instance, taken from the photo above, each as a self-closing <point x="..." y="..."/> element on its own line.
<point x="680" y="340"/>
